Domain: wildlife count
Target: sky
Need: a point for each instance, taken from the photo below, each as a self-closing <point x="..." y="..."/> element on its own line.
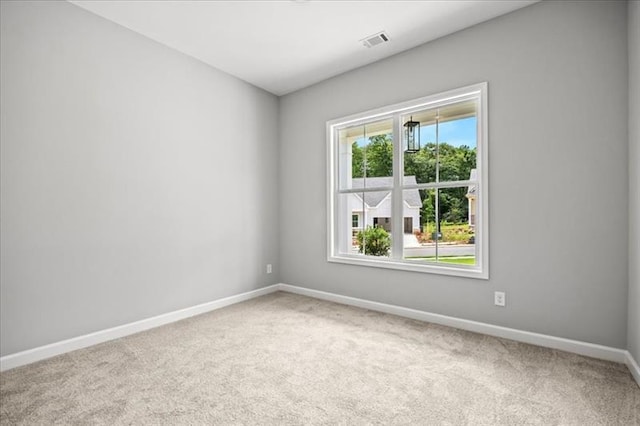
<point x="456" y="132"/>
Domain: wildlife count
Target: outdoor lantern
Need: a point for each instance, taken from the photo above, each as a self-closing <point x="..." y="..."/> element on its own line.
<point x="412" y="135"/>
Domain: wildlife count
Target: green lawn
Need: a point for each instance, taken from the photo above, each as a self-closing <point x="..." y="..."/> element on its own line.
<point x="458" y="260"/>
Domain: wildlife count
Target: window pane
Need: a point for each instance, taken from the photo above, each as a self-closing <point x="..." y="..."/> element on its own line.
<point x="366" y="155"/>
<point x="445" y="234"/>
<point x="420" y="209"/>
<point x="364" y="223"/>
<point x="448" y="143"/>
<point x="457" y="243"/>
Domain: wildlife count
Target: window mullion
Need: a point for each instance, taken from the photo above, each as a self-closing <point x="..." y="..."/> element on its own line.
<point x="397" y="243"/>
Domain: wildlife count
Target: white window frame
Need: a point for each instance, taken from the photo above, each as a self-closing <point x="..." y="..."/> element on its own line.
<point x="396" y="261"/>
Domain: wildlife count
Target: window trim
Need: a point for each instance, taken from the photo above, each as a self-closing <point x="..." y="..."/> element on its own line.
<point x="481" y="269"/>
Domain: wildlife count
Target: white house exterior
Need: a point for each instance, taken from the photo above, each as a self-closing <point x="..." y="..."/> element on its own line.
<point x="471" y="196"/>
<point x="374" y="208"/>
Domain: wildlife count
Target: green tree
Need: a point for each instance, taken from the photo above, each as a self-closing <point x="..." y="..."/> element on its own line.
<point x="428" y="211"/>
<point x="357" y="161"/>
<point x="454" y="163"/>
<point x="421" y="164"/>
<point x="453" y="205"/>
<point x="379" y="154"/>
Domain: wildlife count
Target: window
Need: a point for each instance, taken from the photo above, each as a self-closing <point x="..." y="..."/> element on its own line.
<point x="412" y="178"/>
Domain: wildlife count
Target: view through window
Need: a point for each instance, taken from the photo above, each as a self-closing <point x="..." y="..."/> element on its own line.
<point x="412" y="201"/>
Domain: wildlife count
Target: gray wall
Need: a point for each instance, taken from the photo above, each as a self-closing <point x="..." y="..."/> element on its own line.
<point x="557" y="74"/>
<point x="128" y="187"/>
<point x="633" y="341"/>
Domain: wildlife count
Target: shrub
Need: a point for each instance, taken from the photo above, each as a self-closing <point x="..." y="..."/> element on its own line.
<point x="458" y="233"/>
<point x="455" y="233"/>
<point x="375" y="241"/>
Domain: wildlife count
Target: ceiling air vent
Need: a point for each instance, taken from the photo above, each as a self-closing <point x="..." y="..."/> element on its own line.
<point x="375" y="39"/>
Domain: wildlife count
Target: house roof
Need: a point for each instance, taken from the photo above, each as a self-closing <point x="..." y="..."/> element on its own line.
<point x="373" y="199"/>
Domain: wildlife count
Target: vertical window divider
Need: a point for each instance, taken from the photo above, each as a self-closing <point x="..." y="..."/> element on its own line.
<point x="397" y="229"/>
<point x="437" y="195"/>
<point x="364" y="186"/>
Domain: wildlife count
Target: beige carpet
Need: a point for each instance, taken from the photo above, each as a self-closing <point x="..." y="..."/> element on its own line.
<point x="288" y="359"/>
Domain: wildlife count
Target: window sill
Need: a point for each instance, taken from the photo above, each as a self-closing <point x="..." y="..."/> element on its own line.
<point x="458" y="271"/>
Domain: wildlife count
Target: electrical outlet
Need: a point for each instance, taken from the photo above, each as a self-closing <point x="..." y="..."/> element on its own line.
<point x="499" y="298"/>
<point x="269" y="269"/>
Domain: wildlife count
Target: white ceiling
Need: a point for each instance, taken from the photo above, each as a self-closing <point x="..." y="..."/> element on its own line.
<point x="282" y="46"/>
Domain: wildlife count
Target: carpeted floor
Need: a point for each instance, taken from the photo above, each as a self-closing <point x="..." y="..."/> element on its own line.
<point x="288" y="359"/>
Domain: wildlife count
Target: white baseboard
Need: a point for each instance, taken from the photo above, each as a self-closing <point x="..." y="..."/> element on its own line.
<point x="568" y="345"/>
<point x="36" y="354"/>
<point x="633" y="367"/>
<point x="574" y="346"/>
